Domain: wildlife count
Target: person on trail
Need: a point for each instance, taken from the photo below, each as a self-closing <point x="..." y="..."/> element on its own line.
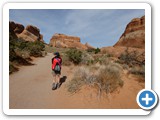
<point x="56" y="70"/>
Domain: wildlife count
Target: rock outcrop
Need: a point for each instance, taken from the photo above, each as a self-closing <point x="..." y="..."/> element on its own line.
<point x="34" y="30"/>
<point x="134" y="34"/>
<point x="65" y="41"/>
<point x="16" y="27"/>
<point x="89" y="46"/>
<point x="30" y="33"/>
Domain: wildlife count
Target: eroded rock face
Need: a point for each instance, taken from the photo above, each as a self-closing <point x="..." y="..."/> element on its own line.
<point x="30" y="33"/>
<point x="12" y="26"/>
<point x="65" y="41"/>
<point x="16" y="27"/>
<point x="134" y="34"/>
<point x="27" y="36"/>
<point x="34" y="30"/>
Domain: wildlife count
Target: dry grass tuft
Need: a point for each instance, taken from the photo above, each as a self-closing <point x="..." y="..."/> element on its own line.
<point x="105" y="78"/>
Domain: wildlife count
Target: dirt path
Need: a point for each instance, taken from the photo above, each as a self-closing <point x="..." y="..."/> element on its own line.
<point x="30" y="88"/>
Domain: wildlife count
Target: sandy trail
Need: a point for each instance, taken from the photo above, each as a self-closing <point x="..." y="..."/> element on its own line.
<point x="30" y="88"/>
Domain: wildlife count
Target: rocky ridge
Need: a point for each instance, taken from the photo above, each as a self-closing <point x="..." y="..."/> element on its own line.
<point x="30" y="33"/>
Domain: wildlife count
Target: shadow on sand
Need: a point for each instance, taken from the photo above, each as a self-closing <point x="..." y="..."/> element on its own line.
<point x="62" y="80"/>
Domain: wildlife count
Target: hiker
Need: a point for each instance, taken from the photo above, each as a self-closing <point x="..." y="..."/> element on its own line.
<point x="56" y="70"/>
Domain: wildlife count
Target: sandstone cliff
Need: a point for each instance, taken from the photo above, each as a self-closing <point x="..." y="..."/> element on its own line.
<point x="30" y="33"/>
<point x="134" y="34"/>
<point x="65" y="41"/>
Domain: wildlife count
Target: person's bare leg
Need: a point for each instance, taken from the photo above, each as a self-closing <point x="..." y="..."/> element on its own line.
<point x="54" y="79"/>
<point x="54" y="82"/>
<point x="58" y="80"/>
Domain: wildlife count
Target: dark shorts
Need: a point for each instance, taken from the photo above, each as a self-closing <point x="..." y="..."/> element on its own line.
<point x="56" y="72"/>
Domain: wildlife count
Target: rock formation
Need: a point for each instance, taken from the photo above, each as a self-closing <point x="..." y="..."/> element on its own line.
<point x="16" y="27"/>
<point x="30" y="33"/>
<point x="34" y="30"/>
<point x="89" y="46"/>
<point x="134" y="34"/>
<point x="65" y="41"/>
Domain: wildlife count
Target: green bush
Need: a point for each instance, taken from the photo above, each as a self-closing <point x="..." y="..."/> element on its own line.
<point x="35" y="48"/>
<point x="20" y="51"/>
<point x="74" y="55"/>
<point x="97" y="50"/>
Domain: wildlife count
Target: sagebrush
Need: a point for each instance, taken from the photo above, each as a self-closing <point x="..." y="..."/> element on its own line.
<point x="105" y="78"/>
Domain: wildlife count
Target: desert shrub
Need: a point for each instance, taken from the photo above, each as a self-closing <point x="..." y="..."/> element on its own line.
<point x="110" y="78"/>
<point x="106" y="78"/>
<point x="131" y="58"/>
<point x="93" y="50"/>
<point x="20" y="51"/>
<point x="65" y="59"/>
<point x="35" y="48"/>
<point x="74" y="55"/>
<point x="102" y="59"/>
<point x="87" y="58"/>
<point x="78" y="80"/>
<point x="90" y="62"/>
<point x="97" y="50"/>
<point x="127" y="57"/>
<point x="138" y="70"/>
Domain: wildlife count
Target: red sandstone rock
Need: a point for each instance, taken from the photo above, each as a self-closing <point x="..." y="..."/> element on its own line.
<point x="16" y="27"/>
<point x="65" y="41"/>
<point x="19" y="28"/>
<point x="27" y="36"/>
<point x="134" y="34"/>
<point x="30" y="33"/>
<point x="12" y="26"/>
<point x="34" y="30"/>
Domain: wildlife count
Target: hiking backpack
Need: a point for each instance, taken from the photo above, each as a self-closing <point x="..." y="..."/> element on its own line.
<point x="57" y="67"/>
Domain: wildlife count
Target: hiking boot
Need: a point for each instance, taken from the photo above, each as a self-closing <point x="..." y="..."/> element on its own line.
<point x="54" y="86"/>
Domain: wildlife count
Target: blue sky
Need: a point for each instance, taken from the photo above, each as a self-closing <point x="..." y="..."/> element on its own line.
<point x="98" y="27"/>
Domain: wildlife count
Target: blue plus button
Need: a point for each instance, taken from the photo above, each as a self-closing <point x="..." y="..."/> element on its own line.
<point x="147" y="99"/>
